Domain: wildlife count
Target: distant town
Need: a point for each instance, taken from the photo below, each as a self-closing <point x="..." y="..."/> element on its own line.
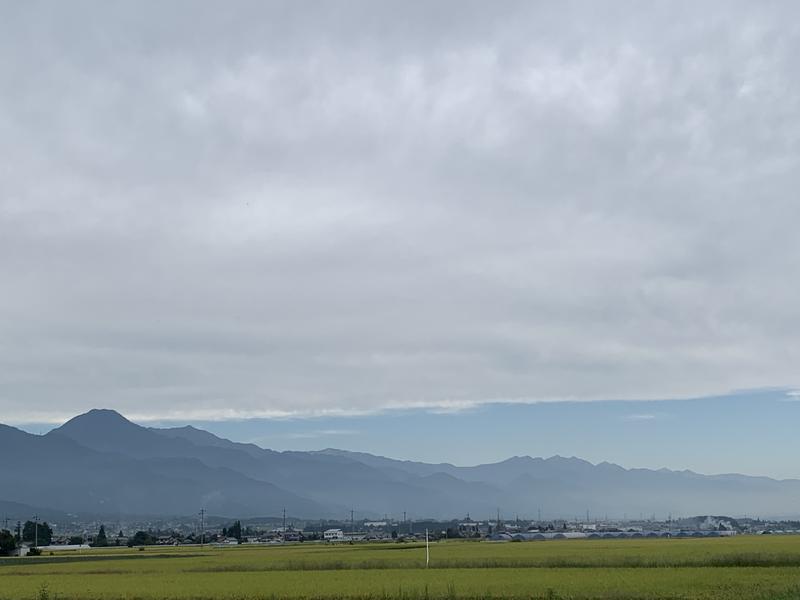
<point x="34" y="536"/>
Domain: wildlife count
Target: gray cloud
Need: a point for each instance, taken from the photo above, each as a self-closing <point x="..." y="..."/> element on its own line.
<point x="220" y="210"/>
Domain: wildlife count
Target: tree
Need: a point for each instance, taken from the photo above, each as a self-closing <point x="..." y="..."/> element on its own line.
<point x="235" y="530"/>
<point x="42" y="538"/>
<point x="76" y="540"/>
<point x="101" y="540"/>
<point x="7" y="543"/>
<point x="141" y="538"/>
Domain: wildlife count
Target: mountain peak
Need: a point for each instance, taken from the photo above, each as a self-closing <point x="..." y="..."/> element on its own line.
<point x="104" y="426"/>
<point x="103" y="417"/>
<point x="572" y="461"/>
<point x="517" y="460"/>
<point x="104" y="413"/>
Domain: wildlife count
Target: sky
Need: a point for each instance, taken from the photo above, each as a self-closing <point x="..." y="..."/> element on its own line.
<point x="289" y="211"/>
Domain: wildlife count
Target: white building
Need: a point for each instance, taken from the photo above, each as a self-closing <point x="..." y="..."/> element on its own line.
<point x="333" y="535"/>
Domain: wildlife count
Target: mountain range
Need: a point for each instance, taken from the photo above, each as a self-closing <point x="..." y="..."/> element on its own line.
<point x="101" y="463"/>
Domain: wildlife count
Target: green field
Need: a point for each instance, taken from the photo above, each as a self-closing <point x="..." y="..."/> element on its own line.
<point x="742" y="568"/>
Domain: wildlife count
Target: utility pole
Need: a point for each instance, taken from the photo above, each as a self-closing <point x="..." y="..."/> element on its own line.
<point x="19" y="536"/>
<point x="283" y="535"/>
<point x="202" y="526"/>
<point x="352" y="525"/>
<point x="36" y="530"/>
<point x="427" y="550"/>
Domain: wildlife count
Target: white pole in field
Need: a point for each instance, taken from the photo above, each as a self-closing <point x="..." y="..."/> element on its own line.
<point x="427" y="550"/>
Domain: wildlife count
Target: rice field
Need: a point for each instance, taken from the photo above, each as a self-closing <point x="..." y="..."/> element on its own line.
<point x="759" y="567"/>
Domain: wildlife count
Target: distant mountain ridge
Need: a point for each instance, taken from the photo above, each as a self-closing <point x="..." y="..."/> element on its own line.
<point x="100" y="462"/>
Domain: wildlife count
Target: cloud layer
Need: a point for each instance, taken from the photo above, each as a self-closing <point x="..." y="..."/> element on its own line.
<point x="222" y="210"/>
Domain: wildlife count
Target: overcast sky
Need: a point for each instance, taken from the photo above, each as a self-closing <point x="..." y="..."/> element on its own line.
<point x="235" y="209"/>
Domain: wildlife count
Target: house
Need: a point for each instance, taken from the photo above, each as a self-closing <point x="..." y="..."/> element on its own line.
<point x="333" y="535"/>
<point x="292" y="535"/>
<point x="469" y="528"/>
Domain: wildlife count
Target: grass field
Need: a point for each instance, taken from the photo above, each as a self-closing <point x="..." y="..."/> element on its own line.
<point x="740" y="568"/>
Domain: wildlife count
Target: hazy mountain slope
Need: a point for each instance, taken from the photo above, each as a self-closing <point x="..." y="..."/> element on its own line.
<point x="559" y="486"/>
<point x="102" y="462"/>
<point x="55" y="470"/>
<point x="17" y="511"/>
<point x="401" y="466"/>
<point x="200" y="437"/>
<point x="109" y="431"/>
<point x="342" y="481"/>
<point x="336" y="483"/>
<point x="567" y="487"/>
